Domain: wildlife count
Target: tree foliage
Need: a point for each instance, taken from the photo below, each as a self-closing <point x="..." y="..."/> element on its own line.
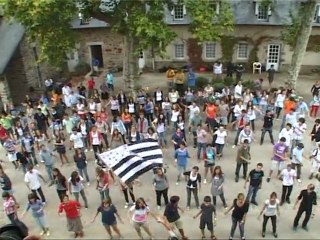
<point x="46" y="22"/>
<point x="291" y="31"/>
<point x="207" y="23"/>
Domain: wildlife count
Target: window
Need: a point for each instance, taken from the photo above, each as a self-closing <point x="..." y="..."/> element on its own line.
<point x="215" y="6"/>
<point x="178" y="12"/>
<point x="179" y="51"/>
<point x="262" y="11"/>
<point x="210" y="50"/>
<point x="242" y="51"/>
<point x="317" y="14"/>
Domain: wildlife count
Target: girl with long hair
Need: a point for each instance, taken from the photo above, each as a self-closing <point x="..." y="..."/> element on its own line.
<point x="76" y="187"/>
<point x="61" y="183"/>
<point x="108" y="217"/>
<point x="217" y="186"/>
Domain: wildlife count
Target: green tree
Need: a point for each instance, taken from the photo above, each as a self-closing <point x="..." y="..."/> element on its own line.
<point x="48" y="22"/>
<point x="210" y="19"/>
<point x="297" y="35"/>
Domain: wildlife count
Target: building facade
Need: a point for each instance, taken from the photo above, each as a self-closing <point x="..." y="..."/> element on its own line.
<point x="256" y="37"/>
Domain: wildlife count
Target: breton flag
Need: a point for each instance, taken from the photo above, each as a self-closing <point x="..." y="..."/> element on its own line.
<point x="129" y="161"/>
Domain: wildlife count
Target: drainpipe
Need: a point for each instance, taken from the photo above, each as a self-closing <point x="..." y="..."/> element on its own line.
<point x="36" y="58"/>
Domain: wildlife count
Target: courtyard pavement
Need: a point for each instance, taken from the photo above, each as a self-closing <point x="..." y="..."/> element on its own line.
<point x="252" y="226"/>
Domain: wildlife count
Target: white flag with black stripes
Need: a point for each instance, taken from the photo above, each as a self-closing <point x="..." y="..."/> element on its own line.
<point x="129" y="161"/>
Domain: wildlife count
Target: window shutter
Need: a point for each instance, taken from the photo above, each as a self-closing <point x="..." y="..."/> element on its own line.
<point x="217" y="8"/>
<point x="256" y="11"/>
<point x="184" y="10"/>
<point x="318" y="10"/>
<point x="172" y="12"/>
<point x="269" y="11"/>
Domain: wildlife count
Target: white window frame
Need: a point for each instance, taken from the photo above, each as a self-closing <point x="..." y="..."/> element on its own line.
<point x="217" y="6"/>
<point x="214" y="50"/>
<point x="258" y="8"/>
<point x="184" y="12"/>
<point x="317" y="14"/>
<point x="175" y="51"/>
<point x="247" y="50"/>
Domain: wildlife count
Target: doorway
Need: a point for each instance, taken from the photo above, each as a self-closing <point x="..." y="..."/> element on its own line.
<point x="273" y="56"/>
<point x="96" y="55"/>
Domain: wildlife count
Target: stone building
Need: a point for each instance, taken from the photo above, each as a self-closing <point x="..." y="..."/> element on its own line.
<point x="256" y="37"/>
<point x="19" y="69"/>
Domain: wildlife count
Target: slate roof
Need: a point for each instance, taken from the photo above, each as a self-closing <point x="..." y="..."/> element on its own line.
<point x="11" y="34"/>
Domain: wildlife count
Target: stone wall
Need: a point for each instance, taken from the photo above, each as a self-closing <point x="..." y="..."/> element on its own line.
<point x="112" y="46"/>
<point x="30" y="66"/>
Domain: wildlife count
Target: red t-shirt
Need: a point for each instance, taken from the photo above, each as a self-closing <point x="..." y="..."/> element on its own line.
<point x="211" y="111"/>
<point x="71" y="208"/>
<point x="91" y="84"/>
<point x="3" y="133"/>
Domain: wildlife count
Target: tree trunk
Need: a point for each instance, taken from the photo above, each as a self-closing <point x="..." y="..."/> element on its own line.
<point x="301" y="42"/>
<point x="130" y="69"/>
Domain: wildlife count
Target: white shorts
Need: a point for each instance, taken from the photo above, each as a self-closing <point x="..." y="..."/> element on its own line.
<point x="315" y="166"/>
<point x="277" y="165"/>
<point x="12" y="157"/>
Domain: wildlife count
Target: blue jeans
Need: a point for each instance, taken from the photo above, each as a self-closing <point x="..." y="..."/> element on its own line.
<point x="200" y="146"/>
<point x="252" y="193"/>
<point x="104" y="194"/>
<point x="42" y="222"/>
<point x="181" y="170"/>
<point x="49" y="169"/>
<point x="162" y="139"/>
<point x="83" y="172"/>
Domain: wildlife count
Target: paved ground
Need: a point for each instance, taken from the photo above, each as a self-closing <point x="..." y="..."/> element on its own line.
<point x="253" y="225"/>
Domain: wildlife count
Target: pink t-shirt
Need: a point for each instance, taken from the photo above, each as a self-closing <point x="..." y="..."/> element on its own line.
<point x="139" y="215"/>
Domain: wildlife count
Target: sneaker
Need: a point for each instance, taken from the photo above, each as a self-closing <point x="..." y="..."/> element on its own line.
<point x="48" y="233"/>
<point x="159" y="207"/>
<point x="205" y="181"/>
<point x="91" y="150"/>
<point x="86" y="150"/>
<point x="275" y="235"/>
<point x="127" y="205"/>
<point x="88" y="184"/>
<point x="188" y="208"/>
<point x="42" y="233"/>
<point x="305" y="228"/>
<point x="294" y="228"/>
<point x="177" y="183"/>
<point x="268" y="179"/>
<point x="263" y="234"/>
<point x="299" y="180"/>
<point x="237" y="179"/>
<point x="233" y="146"/>
<point x="288" y="201"/>
<point x="42" y="161"/>
<point x="254" y="203"/>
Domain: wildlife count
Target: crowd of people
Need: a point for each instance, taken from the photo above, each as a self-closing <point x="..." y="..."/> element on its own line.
<point x="84" y="119"/>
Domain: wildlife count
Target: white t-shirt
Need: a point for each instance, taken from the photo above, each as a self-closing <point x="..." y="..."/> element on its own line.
<point x="238" y="91"/>
<point x="221" y="136"/>
<point x="280" y="100"/>
<point x="291" y="118"/>
<point x="298" y="131"/>
<point x="271" y="209"/>
<point x="77" y="140"/>
<point x="288" y="177"/>
<point x="139" y="215"/>
<point x="217" y="68"/>
<point x="192" y="110"/>
<point x="287" y="134"/>
<point x="297" y="155"/>
<point x="32" y="178"/>
<point x="95" y="138"/>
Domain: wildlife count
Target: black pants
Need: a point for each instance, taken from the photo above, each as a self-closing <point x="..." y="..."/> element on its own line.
<point x="263" y="133"/>
<point x="39" y="191"/>
<point x="273" y="222"/>
<point x="105" y="139"/>
<point x="306" y="218"/>
<point x="237" y="136"/>
<point x="61" y="194"/>
<point x="286" y="192"/>
<point x="125" y="194"/>
<point x="96" y="149"/>
<point x="163" y="193"/>
<point x="214" y="200"/>
<point x="244" y="169"/>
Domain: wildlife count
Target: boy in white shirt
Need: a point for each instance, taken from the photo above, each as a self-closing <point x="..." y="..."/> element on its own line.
<point x="297" y="159"/>
<point x="287" y="176"/>
<point x="298" y="130"/>
<point x="287" y="133"/>
<point x="315" y="163"/>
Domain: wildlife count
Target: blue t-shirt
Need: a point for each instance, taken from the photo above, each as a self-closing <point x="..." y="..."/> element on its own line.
<point x="181" y="156"/>
<point x="210" y="156"/>
<point x="36" y="208"/>
<point x="108" y="215"/>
